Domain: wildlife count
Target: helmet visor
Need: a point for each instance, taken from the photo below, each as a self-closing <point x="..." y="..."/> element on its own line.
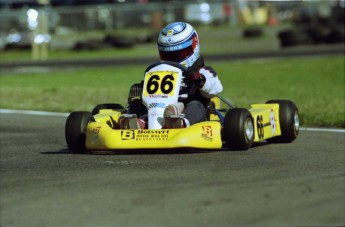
<point x="176" y="56"/>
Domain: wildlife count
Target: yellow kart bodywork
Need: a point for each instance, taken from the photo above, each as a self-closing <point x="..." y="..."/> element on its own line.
<point x="265" y="117"/>
<point x="204" y="135"/>
<point x="266" y="121"/>
<point x="276" y="121"/>
<point x="101" y="134"/>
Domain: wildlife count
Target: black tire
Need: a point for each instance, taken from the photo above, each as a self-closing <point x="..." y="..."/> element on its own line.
<point x="293" y="37"/>
<point x="119" y="41"/>
<point x="336" y="35"/>
<point x="289" y="121"/>
<point x="318" y="33"/>
<point x="288" y="38"/>
<point x="87" y="45"/>
<point x="252" y="33"/>
<point x="237" y="122"/>
<point x="75" y="130"/>
<point x="112" y="106"/>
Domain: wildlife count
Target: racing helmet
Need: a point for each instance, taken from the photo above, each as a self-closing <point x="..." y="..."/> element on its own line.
<point x="179" y="42"/>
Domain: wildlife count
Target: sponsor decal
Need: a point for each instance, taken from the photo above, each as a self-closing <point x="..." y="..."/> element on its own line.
<point x="156" y="105"/>
<point x="152" y="135"/>
<point x="95" y="134"/>
<point x="170" y="32"/>
<point x="127" y="135"/>
<point x="159" y="96"/>
<point x="207" y="133"/>
<point x="176" y="27"/>
<point x="273" y="122"/>
<point x="176" y="47"/>
<point x="154" y="113"/>
<point x="145" y="135"/>
<point x="153" y="132"/>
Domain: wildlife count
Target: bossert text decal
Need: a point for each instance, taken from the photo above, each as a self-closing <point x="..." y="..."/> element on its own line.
<point x="145" y="135"/>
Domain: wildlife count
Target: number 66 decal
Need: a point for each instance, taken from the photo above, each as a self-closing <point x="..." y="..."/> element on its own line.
<point x="260" y="125"/>
<point x="160" y="82"/>
<point x="166" y="85"/>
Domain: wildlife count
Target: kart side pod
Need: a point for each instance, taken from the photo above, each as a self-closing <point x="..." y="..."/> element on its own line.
<point x="277" y="121"/>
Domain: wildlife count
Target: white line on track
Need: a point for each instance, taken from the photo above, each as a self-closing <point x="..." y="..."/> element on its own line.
<point x="46" y="113"/>
<point x="33" y="112"/>
<point x="323" y="129"/>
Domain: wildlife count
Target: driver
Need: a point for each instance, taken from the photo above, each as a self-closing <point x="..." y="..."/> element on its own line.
<point x="179" y="42"/>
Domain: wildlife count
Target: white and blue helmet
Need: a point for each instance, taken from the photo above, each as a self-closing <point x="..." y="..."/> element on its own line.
<point x="179" y="42"/>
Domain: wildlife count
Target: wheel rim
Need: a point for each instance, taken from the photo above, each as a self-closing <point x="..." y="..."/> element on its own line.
<point x="249" y="129"/>
<point x="296" y="122"/>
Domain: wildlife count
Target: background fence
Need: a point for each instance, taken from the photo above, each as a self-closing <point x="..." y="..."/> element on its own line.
<point x="33" y="23"/>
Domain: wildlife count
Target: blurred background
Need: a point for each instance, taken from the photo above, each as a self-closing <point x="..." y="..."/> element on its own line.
<point x="42" y="26"/>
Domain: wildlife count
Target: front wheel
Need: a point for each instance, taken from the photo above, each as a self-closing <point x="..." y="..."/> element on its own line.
<point x="238" y="129"/>
<point x="75" y="130"/>
<point x="289" y="121"/>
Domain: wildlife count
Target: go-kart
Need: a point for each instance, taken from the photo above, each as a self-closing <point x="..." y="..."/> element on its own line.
<point x="276" y="121"/>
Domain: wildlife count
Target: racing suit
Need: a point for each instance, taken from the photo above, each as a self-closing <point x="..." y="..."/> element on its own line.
<point x="199" y="86"/>
<point x="202" y="83"/>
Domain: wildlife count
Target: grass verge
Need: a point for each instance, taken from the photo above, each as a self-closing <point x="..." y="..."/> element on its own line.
<point x="316" y="85"/>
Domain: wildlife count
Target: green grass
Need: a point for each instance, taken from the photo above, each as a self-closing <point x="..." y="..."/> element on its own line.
<point x="316" y="85"/>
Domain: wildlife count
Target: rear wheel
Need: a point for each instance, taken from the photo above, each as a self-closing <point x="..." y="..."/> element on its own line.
<point x="75" y="130"/>
<point x="238" y="129"/>
<point x="289" y="121"/>
<point x="112" y="106"/>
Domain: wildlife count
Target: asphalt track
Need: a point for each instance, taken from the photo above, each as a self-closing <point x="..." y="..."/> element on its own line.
<point x="43" y="184"/>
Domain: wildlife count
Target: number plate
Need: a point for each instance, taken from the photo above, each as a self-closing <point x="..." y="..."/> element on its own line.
<point x="160" y="83"/>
